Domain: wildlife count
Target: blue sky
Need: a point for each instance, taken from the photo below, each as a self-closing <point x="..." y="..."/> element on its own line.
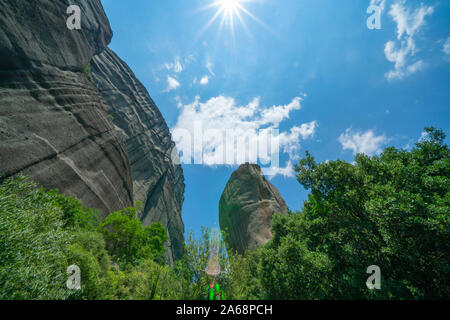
<point x="310" y="68"/>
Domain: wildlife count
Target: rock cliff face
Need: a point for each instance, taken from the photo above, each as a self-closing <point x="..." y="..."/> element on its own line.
<point x="246" y="208"/>
<point x="53" y="122"/>
<point x="35" y="32"/>
<point x="157" y="182"/>
<point x="104" y="142"/>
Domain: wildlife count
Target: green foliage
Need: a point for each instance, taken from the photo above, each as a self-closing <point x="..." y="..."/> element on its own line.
<point x="391" y="211"/>
<point x="139" y="205"/>
<point x="88" y="72"/>
<point x="42" y="233"/>
<point x="191" y="268"/>
<point x="89" y="253"/>
<point x="146" y="281"/>
<point x="74" y="214"/>
<point x="128" y="242"/>
<point x="237" y="279"/>
<point x="33" y="258"/>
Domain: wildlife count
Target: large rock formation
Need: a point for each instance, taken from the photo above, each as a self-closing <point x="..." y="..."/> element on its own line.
<point x="158" y="182"/>
<point x="53" y="122"/>
<point x="246" y="208"/>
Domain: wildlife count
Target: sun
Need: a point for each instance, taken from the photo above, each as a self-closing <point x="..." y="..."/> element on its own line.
<point x="229" y="7"/>
<point x="230" y="13"/>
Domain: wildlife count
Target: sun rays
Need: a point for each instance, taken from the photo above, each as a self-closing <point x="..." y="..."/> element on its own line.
<point x="230" y="13"/>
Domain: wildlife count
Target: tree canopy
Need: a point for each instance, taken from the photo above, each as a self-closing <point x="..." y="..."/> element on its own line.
<point x="390" y="210"/>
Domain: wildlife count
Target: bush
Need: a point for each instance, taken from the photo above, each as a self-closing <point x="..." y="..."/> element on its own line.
<point x="33" y="243"/>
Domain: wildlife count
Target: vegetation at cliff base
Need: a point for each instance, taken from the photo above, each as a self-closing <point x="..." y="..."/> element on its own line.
<point x="43" y="233"/>
<point x="391" y="210"/>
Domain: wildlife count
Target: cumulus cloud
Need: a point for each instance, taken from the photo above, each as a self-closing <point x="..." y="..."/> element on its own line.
<point x="362" y="142"/>
<point x="219" y="118"/>
<point x="402" y="51"/>
<point x="204" y="80"/>
<point x="287" y="171"/>
<point x="172" y="84"/>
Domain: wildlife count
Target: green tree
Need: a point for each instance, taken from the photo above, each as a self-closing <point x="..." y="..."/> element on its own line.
<point x="391" y="211"/>
<point x="88" y="252"/>
<point x="128" y="242"/>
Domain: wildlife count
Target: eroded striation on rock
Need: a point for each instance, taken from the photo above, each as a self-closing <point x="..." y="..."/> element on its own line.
<point x="158" y="182"/>
<point x="34" y="32"/>
<point x="53" y="122"/>
<point x="246" y="208"/>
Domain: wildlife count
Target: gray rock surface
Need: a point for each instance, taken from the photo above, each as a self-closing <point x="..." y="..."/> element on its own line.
<point x="53" y="122"/>
<point x="35" y="32"/>
<point x="55" y="125"/>
<point x="246" y="208"/>
<point x="158" y="183"/>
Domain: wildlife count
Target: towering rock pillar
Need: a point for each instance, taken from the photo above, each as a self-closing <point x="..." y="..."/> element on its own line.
<point x="246" y="208"/>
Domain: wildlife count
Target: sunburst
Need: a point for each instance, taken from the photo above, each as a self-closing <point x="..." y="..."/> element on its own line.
<point x="230" y="11"/>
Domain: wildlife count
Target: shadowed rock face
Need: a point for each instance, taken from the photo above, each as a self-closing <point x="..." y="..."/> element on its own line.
<point x="246" y="208"/>
<point x="53" y="122"/>
<point x="157" y="182"/>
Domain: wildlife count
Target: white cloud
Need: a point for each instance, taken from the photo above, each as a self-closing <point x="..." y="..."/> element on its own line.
<point x="446" y="47"/>
<point x="287" y="171"/>
<point x="204" y="80"/>
<point x="416" y="66"/>
<point x="176" y="66"/>
<point x="172" y="84"/>
<point x="362" y="142"/>
<point x="408" y="22"/>
<point x="223" y="115"/>
<point x="277" y="114"/>
<point x="210" y="66"/>
<point x="403" y="51"/>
